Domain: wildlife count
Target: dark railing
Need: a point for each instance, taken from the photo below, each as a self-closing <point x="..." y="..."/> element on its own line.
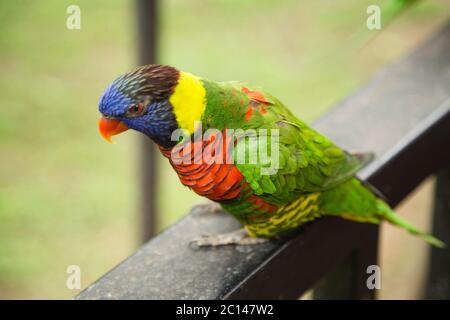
<point x="403" y="115"/>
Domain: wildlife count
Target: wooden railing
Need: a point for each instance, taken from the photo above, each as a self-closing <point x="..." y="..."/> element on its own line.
<point x="403" y="115"/>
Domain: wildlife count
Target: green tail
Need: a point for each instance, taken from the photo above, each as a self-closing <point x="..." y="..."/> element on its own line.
<point x="393" y="218"/>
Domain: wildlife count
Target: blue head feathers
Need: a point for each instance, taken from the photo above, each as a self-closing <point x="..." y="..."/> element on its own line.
<point x="140" y="100"/>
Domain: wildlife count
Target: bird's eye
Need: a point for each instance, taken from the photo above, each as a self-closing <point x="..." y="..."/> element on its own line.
<point x="136" y="109"/>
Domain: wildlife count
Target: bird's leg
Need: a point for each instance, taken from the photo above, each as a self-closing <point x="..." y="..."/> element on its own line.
<point x="238" y="237"/>
<point x="210" y="207"/>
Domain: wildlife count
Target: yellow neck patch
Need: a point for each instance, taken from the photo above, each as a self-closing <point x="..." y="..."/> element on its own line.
<point x="188" y="101"/>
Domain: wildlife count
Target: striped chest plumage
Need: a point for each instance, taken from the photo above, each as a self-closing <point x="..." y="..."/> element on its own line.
<point x="216" y="180"/>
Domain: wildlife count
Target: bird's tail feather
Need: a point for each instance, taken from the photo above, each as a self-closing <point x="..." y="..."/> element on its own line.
<point x="393" y="218"/>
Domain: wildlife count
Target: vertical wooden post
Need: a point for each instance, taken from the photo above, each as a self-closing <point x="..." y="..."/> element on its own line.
<point x="365" y="256"/>
<point x="147" y="36"/>
<point x="338" y="283"/>
<point x="439" y="269"/>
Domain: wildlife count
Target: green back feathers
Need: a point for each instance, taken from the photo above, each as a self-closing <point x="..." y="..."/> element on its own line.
<point x="308" y="161"/>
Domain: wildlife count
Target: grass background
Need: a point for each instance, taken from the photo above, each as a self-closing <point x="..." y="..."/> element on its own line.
<point x="66" y="197"/>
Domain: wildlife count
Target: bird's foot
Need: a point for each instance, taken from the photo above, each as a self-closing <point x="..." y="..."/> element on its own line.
<point x="210" y="207"/>
<point x="238" y="237"/>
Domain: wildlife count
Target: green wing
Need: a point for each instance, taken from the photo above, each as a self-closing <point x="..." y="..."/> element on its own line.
<point x="308" y="161"/>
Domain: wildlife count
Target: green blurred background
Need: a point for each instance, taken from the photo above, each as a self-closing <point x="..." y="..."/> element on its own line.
<point x="66" y="196"/>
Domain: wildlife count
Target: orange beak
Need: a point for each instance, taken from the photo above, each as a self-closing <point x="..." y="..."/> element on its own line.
<point x="110" y="127"/>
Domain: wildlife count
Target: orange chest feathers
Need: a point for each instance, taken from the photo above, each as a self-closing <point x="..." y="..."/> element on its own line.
<point x="209" y="174"/>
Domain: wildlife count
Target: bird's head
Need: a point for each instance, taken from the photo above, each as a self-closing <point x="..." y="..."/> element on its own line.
<point x="152" y="99"/>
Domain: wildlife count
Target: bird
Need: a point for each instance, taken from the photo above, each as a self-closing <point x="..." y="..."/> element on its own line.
<point x="301" y="175"/>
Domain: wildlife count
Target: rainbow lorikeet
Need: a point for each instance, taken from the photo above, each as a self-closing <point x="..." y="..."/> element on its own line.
<point x="313" y="177"/>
